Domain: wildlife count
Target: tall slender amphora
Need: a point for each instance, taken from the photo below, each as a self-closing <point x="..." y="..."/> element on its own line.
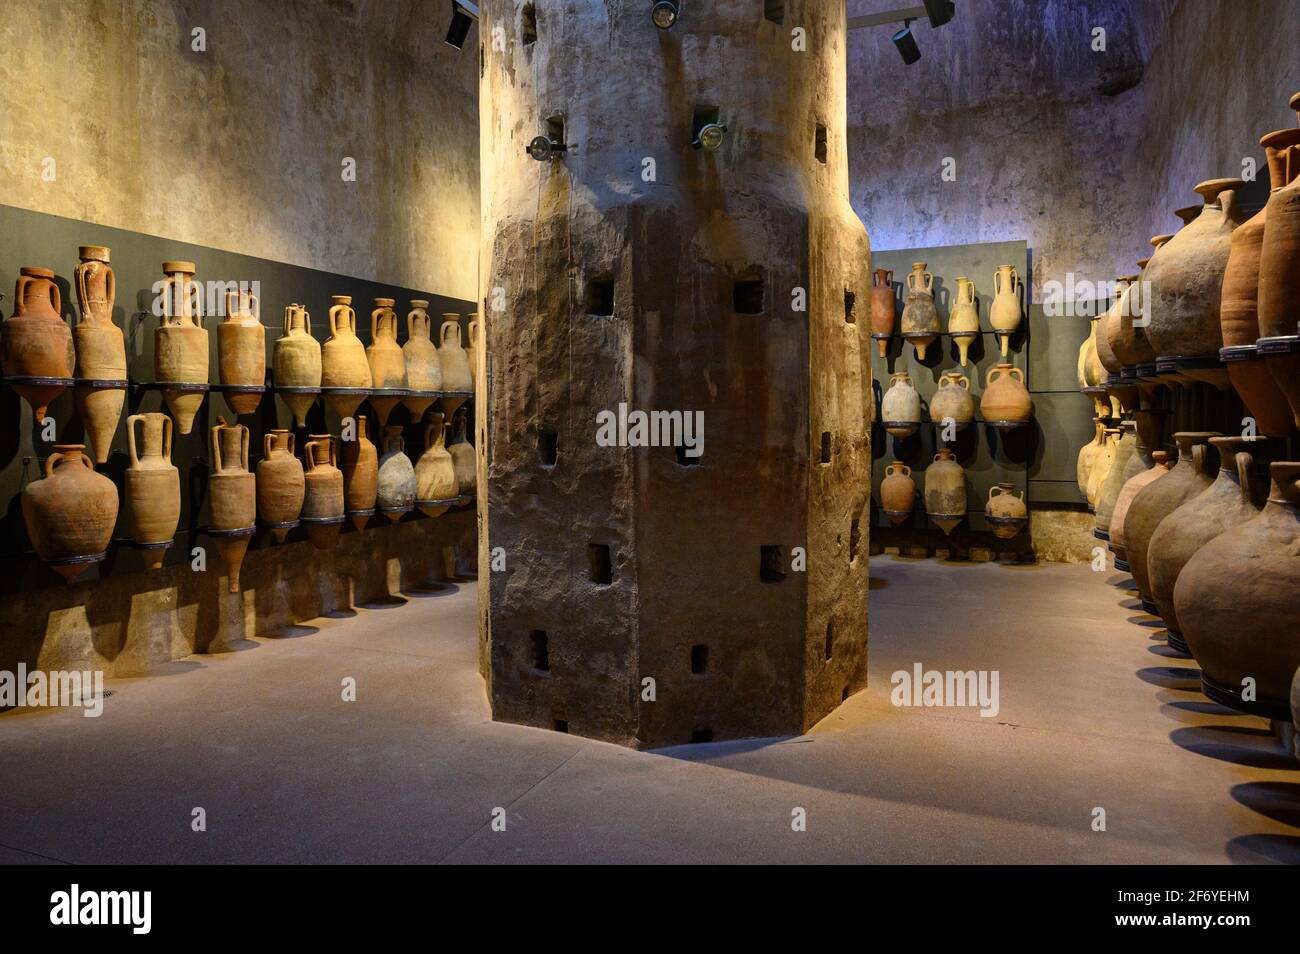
<point x="71" y="512"/>
<point x="241" y="350"/>
<point x="280" y="485"/>
<point x="1279" y="275"/>
<point x="323" y="500"/>
<point x="296" y="362"/>
<point x="1004" y="313"/>
<point x="435" y="472"/>
<point x="454" y="361"/>
<point x="945" y="491"/>
<point x="472" y="328"/>
<point x="423" y="370"/>
<point x="920" y="319"/>
<point x="153" y="486"/>
<point x="101" y="350"/>
<point x="883" y="308"/>
<point x="387" y="362"/>
<point x="181" y="344"/>
<point x="233" y="495"/>
<point x="343" y="358"/>
<point x="463" y="457"/>
<point x="35" y="341"/>
<point x="964" y="319"/>
<point x="360" y="466"/>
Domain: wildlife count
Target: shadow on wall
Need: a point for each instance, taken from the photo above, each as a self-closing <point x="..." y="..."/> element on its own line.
<point x="133" y="624"/>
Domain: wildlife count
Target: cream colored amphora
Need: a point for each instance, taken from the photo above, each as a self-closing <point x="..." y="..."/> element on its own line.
<point x="344" y="367"/>
<point x="180" y="354"/>
<point x="241" y="352"/>
<point x="387" y="362"/>
<point x="1004" y="314"/>
<point x="964" y="319"/>
<point x="153" y="486"/>
<point x="900" y="408"/>
<point x="435" y="472"/>
<point x="101" y="351"/>
<point x="296" y="363"/>
<point x="423" y="370"/>
<point x="952" y="401"/>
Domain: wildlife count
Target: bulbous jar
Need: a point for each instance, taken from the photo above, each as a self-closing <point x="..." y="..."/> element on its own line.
<point x="1113" y="482"/>
<point x="1106" y="357"/>
<point x="280" y="483"/>
<point x="1005" y="398"/>
<point x="953" y="400"/>
<point x="396" y="489"/>
<point x="1006" y="512"/>
<point x="1088" y="456"/>
<point x="1279" y="271"/>
<point x="1238" y="599"/>
<point x="945" y="491"/>
<point x="897" y="492"/>
<point x="35" y="341"/>
<point x="71" y="511"/>
<point x="900" y="409"/>
<point x="1160" y="465"/>
<point x="435" y="472"/>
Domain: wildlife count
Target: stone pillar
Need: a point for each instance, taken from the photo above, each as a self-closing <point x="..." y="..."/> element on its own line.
<point x="639" y="270"/>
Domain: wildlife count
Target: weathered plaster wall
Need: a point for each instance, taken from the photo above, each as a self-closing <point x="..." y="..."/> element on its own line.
<point x="241" y="147"/>
<point x="1053" y="142"/>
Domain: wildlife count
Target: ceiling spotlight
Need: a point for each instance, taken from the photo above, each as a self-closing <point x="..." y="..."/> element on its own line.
<point x="939" y="11"/>
<point x="710" y="136"/>
<point x="664" y="14"/>
<point x="463" y="15"/>
<point x="906" y="44"/>
<point x="546" y="150"/>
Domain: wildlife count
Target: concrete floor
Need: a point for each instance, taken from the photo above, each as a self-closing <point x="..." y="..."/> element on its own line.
<point x="1094" y="713"/>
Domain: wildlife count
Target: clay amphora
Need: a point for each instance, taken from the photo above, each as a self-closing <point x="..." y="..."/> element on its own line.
<point x="343" y="358"/>
<point x="1004" y="313"/>
<point x="387" y="363"/>
<point x="1224" y="505"/>
<point x="900" y="409"/>
<point x="1126" y="332"/>
<point x="1087" y="455"/>
<point x="233" y="495"/>
<point x="1113" y="482"/>
<point x="360" y="475"/>
<point x="1101" y="332"/>
<point x="35" y="340"/>
<point x="153" y="486"/>
<point x="1004" y="505"/>
<point x="71" y="512"/>
<point x="1279" y="268"/>
<point x="1005" y="396"/>
<point x="435" y="472"/>
<point x="472" y="327"/>
<point x="897" y="492"/>
<point x="883" y="308"/>
<point x="1105" y="456"/>
<point x="452" y="357"/>
<point x="945" y="491"/>
<point x="964" y="319"/>
<point x="1185" y="277"/>
<point x="396" y="489"/>
<point x="423" y="371"/>
<point x="1239" y="307"/>
<point x="1187" y="478"/>
<point x="463" y="459"/>
<point x="280" y="483"/>
<point x="181" y="343"/>
<point x="1160" y="465"/>
<point x="952" y="399"/>
<point x="322" y="502"/>
<point x="1238" y="599"/>
<point x="920" y="321"/>
<point x="296" y="362"/>
<point x="241" y="350"/>
<point x="101" y="350"/>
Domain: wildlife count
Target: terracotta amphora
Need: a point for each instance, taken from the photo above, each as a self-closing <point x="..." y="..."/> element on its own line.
<point x="153" y="486"/>
<point x="322" y="503"/>
<point x="1087" y="352"/>
<point x="1160" y="465"/>
<point x="281" y="484"/>
<point x="296" y="362"/>
<point x="1101" y="465"/>
<point x="452" y="357"/>
<point x="1188" y="477"/>
<point x="423" y="370"/>
<point x="952" y="399"/>
<point x="35" y="341"/>
<point x="1006" y="512"/>
<point x="900" y="409"/>
<point x="71" y="512"/>
<point x="343" y="358"/>
<point x="945" y="491"/>
<point x="1113" y="482"/>
<point x="1088" y="454"/>
<point x="435" y="472"/>
<point x="360" y="475"/>
<point x="1005" y="398"/>
<point x="241" y="350"/>
<point x="1279" y="269"/>
<point x="1106" y="357"/>
<point x="181" y="344"/>
<point x="396" y="489"/>
<point x="1225" y="504"/>
<point x="1126" y="330"/>
<point x="463" y="458"/>
<point x="920" y="319"/>
<point x="1185" y="277"/>
<point x="1239" y="307"/>
<point x="1004" y="314"/>
<point x="232" y="492"/>
<point x="1238" y="599"/>
<point x="101" y="350"/>
<point x="964" y="319"/>
<point x="472" y="328"/>
<point x="883" y="308"/>
<point x="897" y="492"/>
<point x="387" y="362"/>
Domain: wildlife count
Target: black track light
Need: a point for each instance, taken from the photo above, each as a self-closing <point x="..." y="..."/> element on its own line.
<point x="906" y="44"/>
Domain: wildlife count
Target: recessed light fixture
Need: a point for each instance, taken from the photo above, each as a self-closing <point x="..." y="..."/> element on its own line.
<point x="906" y="44"/>
<point x="664" y="14"/>
<point x="710" y="136"/>
<point x="546" y="150"/>
<point x="463" y="15"/>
